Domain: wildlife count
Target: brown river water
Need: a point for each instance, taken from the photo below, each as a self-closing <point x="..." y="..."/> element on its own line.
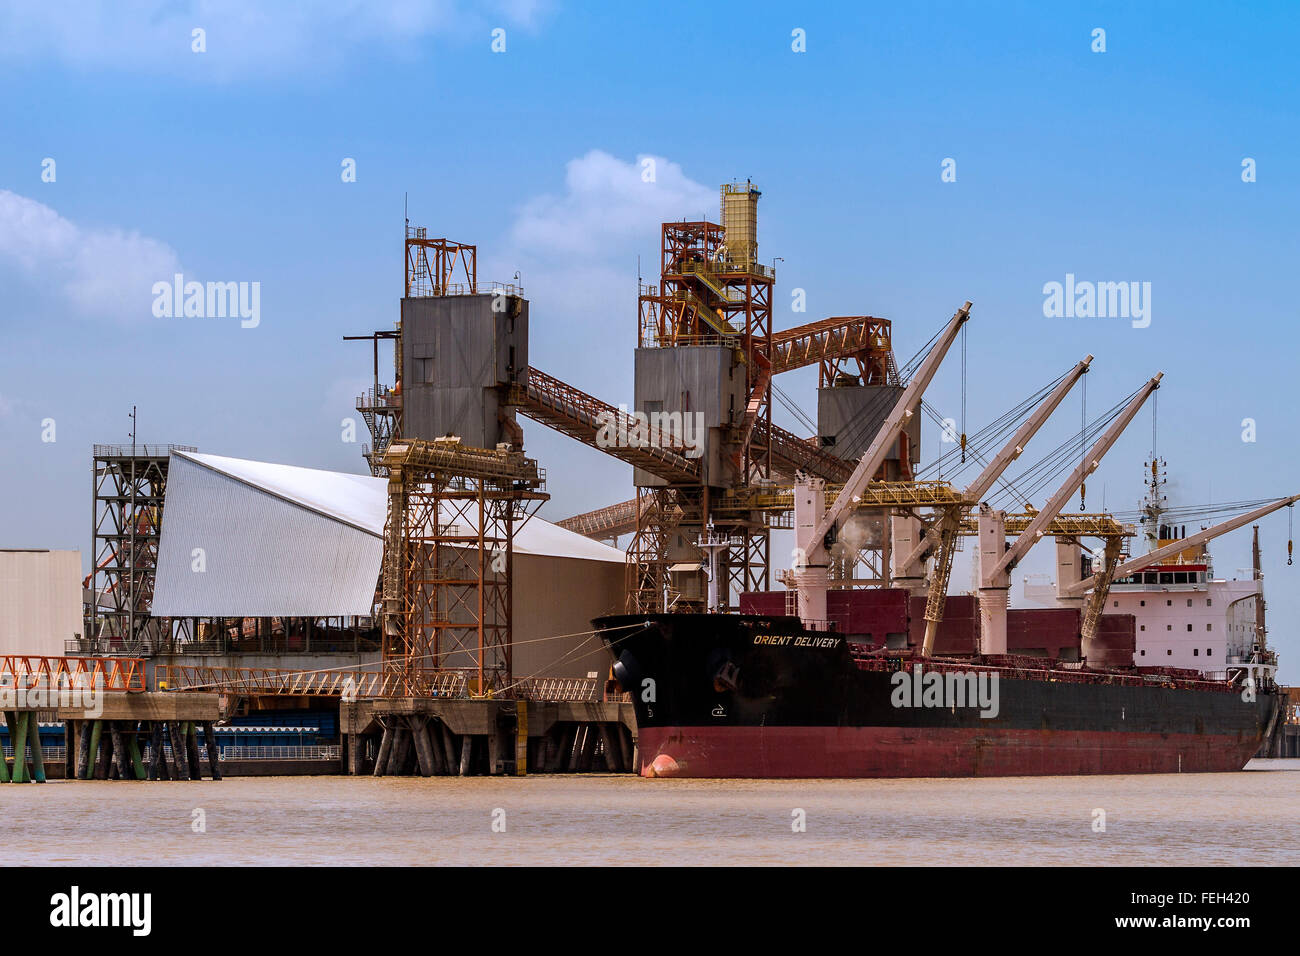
<point x="1249" y="818"/>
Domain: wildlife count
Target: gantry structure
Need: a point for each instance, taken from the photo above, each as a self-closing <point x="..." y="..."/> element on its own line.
<point x="448" y="571"/>
<point x="129" y="483"/>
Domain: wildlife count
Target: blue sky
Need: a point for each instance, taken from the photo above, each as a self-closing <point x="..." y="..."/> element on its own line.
<point x="1117" y="166"/>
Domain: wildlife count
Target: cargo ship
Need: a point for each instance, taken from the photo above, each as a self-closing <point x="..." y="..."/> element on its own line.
<point x="729" y="695"/>
<point x="900" y="679"/>
<point x="1170" y="682"/>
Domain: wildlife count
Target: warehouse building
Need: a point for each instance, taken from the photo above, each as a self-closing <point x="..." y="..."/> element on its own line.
<point x="40" y="601"/>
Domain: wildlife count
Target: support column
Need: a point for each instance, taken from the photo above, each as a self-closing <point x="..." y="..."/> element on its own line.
<point x="423" y="752"/>
<point x="994" y="585"/>
<point x="157" y="762"/>
<point x="120" y="755"/>
<point x="810" y="571"/>
<point x="192" y="750"/>
<point x="38" y="758"/>
<point x="180" y="754"/>
<point x="17" y="723"/>
<point x="214" y="756"/>
<point x="385" y="748"/>
<point x="401" y="738"/>
<point x="521" y="738"/>
<point x="905" y="533"/>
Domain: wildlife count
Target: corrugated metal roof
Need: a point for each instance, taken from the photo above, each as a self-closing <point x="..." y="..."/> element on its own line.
<point x="280" y="540"/>
<point x="235" y="547"/>
<point x="358" y="500"/>
<point x="362" y="501"/>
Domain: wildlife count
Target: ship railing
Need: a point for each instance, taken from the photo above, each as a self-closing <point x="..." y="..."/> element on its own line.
<point x="1046" y="669"/>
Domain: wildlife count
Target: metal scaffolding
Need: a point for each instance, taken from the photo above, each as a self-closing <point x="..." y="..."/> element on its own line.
<point x="448" y="562"/>
<point x="127" y="484"/>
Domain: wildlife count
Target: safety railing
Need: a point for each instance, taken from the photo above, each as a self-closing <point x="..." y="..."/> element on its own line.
<point x="278" y="752"/>
<point x="558" y="688"/>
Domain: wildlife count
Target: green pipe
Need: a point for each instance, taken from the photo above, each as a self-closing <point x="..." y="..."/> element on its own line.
<point x="19" y="738"/>
<point x="96" y="729"/>
<point x="133" y="745"/>
<point x="38" y="758"/>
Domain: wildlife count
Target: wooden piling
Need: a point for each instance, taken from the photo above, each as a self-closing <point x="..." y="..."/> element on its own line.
<point x="214" y="755"/>
<point x="587" y="755"/>
<point x="179" y="754"/>
<point x="624" y="745"/>
<point x="449" y="747"/>
<point x="120" y="755"/>
<point x="155" y="751"/>
<point x="385" y="748"/>
<point x="423" y="752"/>
<point x="83" y="747"/>
<point x="401" y="739"/>
<point x="563" y="747"/>
<point x="191" y="733"/>
<point x="104" y="766"/>
<point x="435" y="747"/>
<point x="613" y="758"/>
<point x="575" y="751"/>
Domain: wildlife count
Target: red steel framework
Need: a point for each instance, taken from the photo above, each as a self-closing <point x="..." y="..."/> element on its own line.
<point x="52" y="673"/>
<point x="433" y="265"/>
<point x="448" y="561"/>
<point x="707" y="296"/>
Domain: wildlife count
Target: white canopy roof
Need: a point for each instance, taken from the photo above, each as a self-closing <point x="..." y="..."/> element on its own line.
<point x="280" y="540"/>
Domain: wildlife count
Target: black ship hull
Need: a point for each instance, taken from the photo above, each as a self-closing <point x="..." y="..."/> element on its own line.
<point x="750" y="696"/>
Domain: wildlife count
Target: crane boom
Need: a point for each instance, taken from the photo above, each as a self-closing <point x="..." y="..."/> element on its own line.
<point x="1169" y="550"/>
<point x="943" y="532"/>
<point x="1012" y="450"/>
<point x="1009" y="453"/>
<point x="874" y="456"/>
<point x="1020" y="547"/>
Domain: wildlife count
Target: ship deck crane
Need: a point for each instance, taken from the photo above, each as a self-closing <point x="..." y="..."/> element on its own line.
<point x="814" y="520"/>
<point x="943" y="532"/>
<point x="997" y="558"/>
<point x="1099" y="583"/>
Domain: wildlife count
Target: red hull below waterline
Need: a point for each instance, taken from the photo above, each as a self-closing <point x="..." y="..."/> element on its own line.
<point x="950" y="752"/>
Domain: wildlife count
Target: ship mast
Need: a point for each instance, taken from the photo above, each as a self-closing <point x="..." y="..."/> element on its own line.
<point x="1258" y="575"/>
<point x="1153" y="505"/>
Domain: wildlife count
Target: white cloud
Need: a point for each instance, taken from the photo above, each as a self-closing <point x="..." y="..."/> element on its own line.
<point x="607" y="203"/>
<point x="242" y="36"/>
<point x="98" y="272"/>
